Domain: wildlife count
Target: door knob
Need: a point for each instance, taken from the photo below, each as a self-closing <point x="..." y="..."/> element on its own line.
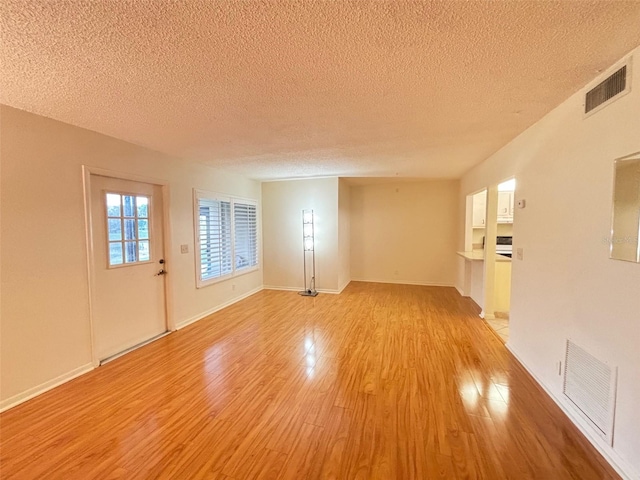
<point x="161" y="272"/>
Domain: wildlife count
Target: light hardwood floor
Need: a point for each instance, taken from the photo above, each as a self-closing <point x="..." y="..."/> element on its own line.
<point x="382" y="381"/>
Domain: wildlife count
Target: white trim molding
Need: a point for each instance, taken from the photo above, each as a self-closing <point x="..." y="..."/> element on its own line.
<point x="346" y="284"/>
<point x="206" y="313"/>
<point x="285" y="289"/>
<point x="486" y="316"/>
<point x="334" y="291"/>
<point x="610" y="455"/>
<point x="405" y="282"/>
<point x="300" y="289"/>
<point x="44" y="387"/>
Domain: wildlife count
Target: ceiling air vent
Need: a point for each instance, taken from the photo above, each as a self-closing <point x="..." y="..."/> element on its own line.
<point x="606" y="90"/>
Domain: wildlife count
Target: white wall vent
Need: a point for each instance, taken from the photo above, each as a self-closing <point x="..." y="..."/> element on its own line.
<point x="590" y="384"/>
<point x="611" y="87"/>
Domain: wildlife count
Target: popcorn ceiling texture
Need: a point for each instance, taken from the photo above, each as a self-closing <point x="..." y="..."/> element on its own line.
<point x="276" y="89"/>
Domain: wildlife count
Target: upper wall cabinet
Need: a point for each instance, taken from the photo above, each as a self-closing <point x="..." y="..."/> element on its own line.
<point x="505" y="207"/>
<point x="480" y="210"/>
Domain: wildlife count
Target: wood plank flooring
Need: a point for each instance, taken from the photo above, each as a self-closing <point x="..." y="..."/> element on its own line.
<point x="380" y="382"/>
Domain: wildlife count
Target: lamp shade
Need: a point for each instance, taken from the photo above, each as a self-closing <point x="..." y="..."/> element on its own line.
<point x="307" y="216"/>
<point x="308" y="244"/>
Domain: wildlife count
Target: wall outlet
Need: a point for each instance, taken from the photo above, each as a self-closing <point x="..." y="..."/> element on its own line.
<point x="520" y="253"/>
<point x="233" y="286"/>
<point x="184" y="248"/>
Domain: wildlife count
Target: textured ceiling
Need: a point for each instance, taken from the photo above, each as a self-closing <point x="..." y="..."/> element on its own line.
<point x="276" y="89"/>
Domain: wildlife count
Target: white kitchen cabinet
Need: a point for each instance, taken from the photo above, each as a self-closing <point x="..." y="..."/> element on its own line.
<point x="505" y="207"/>
<point x="480" y="210"/>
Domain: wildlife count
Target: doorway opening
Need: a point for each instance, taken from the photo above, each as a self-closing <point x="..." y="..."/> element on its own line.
<point x="502" y="268"/>
<point x="473" y="254"/>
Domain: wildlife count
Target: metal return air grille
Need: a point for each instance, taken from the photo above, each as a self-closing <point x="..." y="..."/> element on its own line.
<point x="606" y="90"/>
<point x="590" y="385"/>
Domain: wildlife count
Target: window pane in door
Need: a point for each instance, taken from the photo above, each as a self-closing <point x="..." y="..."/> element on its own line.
<point x="143" y="251"/>
<point x="129" y="229"/>
<point x="143" y="229"/>
<point x="115" y="229"/>
<point x="131" y="252"/>
<point x="115" y="253"/>
<point x="129" y="205"/>
<point x="143" y="206"/>
<point x="127" y="224"/>
<point x="113" y="205"/>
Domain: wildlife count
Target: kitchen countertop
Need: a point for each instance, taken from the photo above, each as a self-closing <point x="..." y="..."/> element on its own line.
<point x="478" y="256"/>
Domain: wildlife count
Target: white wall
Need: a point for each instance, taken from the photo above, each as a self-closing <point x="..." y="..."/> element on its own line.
<point x="45" y="331"/>
<point x="344" y="233"/>
<point x="282" y="205"/>
<point x="566" y="286"/>
<point x="403" y="232"/>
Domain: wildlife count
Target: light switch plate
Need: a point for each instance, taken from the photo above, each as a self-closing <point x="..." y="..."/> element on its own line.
<point x="519" y="253"/>
<point x="184" y="248"/>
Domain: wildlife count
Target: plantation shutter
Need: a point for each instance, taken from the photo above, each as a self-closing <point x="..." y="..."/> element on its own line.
<point x="214" y="238"/>
<point x="246" y="235"/>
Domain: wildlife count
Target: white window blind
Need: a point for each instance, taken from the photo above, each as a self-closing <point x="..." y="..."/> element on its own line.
<point x="226" y="236"/>
<point x="214" y="238"/>
<point x="246" y="235"/>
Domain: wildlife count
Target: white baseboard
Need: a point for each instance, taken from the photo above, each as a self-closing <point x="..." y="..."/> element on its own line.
<point x="610" y="455"/>
<point x="404" y="282"/>
<point x="299" y="289"/>
<point x="486" y="316"/>
<point x="44" y="387"/>
<point x="122" y="353"/>
<point x="284" y="289"/>
<point x="217" y="308"/>
<point x="460" y="291"/>
<point x="345" y="285"/>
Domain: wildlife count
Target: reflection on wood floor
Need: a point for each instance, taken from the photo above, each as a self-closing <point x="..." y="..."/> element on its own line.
<point x="382" y="381"/>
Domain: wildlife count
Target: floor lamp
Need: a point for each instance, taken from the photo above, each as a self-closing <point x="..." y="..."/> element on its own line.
<point x="308" y="245"/>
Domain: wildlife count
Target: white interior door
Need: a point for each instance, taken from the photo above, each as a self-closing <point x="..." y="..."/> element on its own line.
<point x="128" y="303"/>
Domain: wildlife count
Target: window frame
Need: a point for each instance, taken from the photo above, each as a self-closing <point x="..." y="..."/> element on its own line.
<point x="235" y="272"/>
<point x="149" y="219"/>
